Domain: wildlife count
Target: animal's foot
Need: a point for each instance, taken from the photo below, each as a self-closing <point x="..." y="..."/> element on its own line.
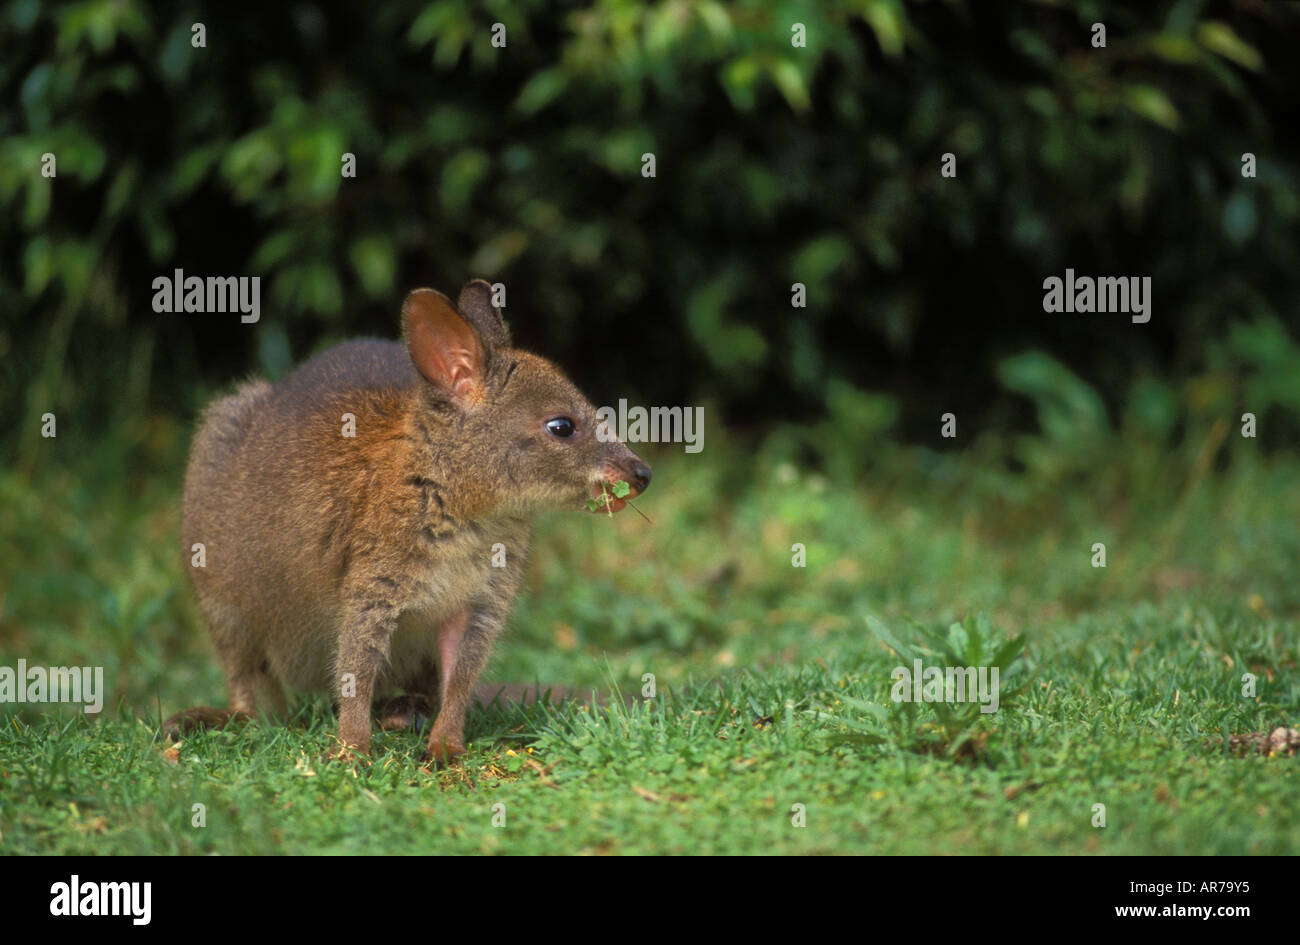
<point x="442" y="751"/>
<point x="199" y="718"/>
<point x="408" y="711"/>
<point x="349" y="754"/>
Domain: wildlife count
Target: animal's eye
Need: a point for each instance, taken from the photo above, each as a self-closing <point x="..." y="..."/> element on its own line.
<point x="560" y="426"/>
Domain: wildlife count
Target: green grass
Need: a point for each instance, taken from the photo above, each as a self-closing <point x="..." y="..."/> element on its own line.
<point x="773" y="681"/>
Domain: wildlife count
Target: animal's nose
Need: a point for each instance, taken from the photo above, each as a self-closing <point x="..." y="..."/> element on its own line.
<point x="641" y="473"/>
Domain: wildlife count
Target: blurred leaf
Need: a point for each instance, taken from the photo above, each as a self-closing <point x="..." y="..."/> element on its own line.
<point x="121" y="190"/>
<point x="494" y="255"/>
<point x="38" y="265"/>
<point x="729" y="346"/>
<point x="1068" y="409"/>
<point x="274" y="250"/>
<point x="193" y="168"/>
<point x="250" y="163"/>
<point x="715" y="17"/>
<point x="739" y="78"/>
<point x="542" y="89"/>
<point x="1155" y="408"/>
<point x="1176" y="49"/>
<point x="273" y="354"/>
<point x="1220" y="38"/>
<point x="39" y="194"/>
<point x="373" y="261"/>
<point x="460" y="177"/>
<point x="819" y="259"/>
<point x="886" y="19"/>
<point x="1239" y="218"/>
<point x="1151" y="103"/>
<point x="789" y="80"/>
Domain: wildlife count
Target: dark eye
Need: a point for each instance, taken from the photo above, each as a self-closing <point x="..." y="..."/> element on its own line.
<point x="560" y="426"/>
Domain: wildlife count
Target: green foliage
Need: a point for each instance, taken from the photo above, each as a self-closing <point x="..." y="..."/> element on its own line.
<point x="619" y="490"/>
<point x="1071" y="416"/>
<point x="776" y="164"/>
<point x="970" y="643"/>
<point x="1272" y="361"/>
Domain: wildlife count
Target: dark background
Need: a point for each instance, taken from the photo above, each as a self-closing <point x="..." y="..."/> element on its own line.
<point x="775" y="165"/>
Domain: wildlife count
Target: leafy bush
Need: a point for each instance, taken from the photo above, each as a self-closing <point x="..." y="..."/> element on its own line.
<point x="776" y="164"/>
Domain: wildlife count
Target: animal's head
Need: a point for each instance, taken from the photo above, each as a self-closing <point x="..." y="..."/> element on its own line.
<point x="526" y="428"/>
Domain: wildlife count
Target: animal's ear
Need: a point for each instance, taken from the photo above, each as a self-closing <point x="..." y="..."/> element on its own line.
<point x="444" y="347"/>
<point x="475" y="303"/>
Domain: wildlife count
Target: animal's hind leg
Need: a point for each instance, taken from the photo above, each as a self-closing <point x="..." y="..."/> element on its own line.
<point x="242" y="676"/>
<point x="244" y="669"/>
<point x="270" y="687"/>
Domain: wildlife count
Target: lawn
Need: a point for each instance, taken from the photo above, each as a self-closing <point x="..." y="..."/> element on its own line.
<point x="771" y="729"/>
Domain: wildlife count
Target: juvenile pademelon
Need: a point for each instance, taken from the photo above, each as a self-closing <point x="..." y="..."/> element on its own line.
<point x="380" y="555"/>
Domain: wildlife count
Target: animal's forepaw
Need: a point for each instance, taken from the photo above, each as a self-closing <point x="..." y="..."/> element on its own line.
<point x="442" y="752"/>
<point x="349" y="754"/>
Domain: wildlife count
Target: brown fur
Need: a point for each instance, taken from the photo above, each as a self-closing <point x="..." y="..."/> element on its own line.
<point x="372" y="556"/>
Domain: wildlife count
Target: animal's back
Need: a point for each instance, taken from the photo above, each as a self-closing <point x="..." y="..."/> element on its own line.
<point x="271" y="492"/>
<point x="258" y="416"/>
<point x="353" y="367"/>
<point x="365" y="365"/>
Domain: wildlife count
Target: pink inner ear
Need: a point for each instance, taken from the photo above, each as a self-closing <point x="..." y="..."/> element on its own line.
<point x="462" y="372"/>
<point x="443" y="346"/>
